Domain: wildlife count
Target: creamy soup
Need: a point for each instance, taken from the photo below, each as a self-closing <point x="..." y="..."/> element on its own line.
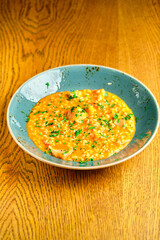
<point x="83" y="125"/>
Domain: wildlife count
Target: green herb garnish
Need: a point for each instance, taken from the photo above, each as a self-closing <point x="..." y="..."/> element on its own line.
<point x="54" y="133"/>
<point x="101" y="106"/>
<point x="112" y="105"/>
<point x="72" y="96"/>
<point x="105" y="121"/>
<point x="128" y="116"/>
<point x="78" y="132"/>
<point x="136" y="119"/>
<point x="109" y="126"/>
<point x="49" y="124"/>
<point x="93" y="146"/>
<point x="44" y="112"/>
<point x="115" y="116"/>
<point x="27" y="119"/>
<point x="107" y="102"/>
<point x="47" y="84"/>
<point x="72" y="109"/>
<point x="70" y="124"/>
<point x="65" y="152"/>
<point x="91" y="127"/>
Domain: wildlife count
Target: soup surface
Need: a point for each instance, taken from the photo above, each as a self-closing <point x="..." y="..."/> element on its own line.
<point x="83" y="125"/>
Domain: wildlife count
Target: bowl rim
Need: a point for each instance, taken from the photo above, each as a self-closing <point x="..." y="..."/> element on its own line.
<point x="84" y="167"/>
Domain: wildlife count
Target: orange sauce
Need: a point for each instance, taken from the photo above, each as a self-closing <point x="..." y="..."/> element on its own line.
<point x="83" y="125"/>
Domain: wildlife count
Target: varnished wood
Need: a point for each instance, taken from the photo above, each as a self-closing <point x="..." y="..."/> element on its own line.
<point x="38" y="201"/>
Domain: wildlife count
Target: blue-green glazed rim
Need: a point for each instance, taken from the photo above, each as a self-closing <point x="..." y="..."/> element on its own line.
<point x="137" y="96"/>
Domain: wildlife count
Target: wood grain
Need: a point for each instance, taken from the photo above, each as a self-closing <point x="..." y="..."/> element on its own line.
<point x="38" y="201"/>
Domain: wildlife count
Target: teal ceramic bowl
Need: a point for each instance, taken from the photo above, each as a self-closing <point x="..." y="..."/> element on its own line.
<point x="75" y="77"/>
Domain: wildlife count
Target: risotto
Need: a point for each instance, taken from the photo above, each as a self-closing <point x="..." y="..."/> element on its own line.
<point x="83" y="125"/>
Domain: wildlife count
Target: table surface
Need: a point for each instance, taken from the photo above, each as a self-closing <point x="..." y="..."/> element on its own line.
<point x="39" y="201"/>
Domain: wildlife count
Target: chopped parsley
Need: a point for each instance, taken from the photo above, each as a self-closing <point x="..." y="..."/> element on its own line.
<point x="43" y="111"/>
<point x="27" y="119"/>
<point x="72" y="109"/>
<point x="112" y="105"/>
<point x="93" y="146"/>
<point x="65" y="152"/>
<point x="91" y="127"/>
<point x="82" y="162"/>
<point x="109" y="126"/>
<point x="115" y="116"/>
<point x="47" y="84"/>
<point x="101" y="106"/>
<point x="128" y="116"/>
<point x="105" y="121"/>
<point x="54" y="133"/>
<point x="78" y="132"/>
<point x="49" y="124"/>
<point x="72" y="96"/>
<point x="49" y="151"/>
<point x="70" y="124"/>
<point x="136" y="119"/>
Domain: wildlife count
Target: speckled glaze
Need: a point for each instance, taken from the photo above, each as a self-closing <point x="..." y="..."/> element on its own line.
<point x="75" y="77"/>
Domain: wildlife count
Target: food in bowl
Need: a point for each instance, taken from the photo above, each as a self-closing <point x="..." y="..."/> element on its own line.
<point x="83" y="125"/>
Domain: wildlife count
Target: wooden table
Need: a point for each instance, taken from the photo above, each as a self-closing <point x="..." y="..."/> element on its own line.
<point x="39" y="201"/>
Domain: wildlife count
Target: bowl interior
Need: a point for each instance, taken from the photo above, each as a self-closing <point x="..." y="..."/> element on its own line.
<point x="76" y="77"/>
